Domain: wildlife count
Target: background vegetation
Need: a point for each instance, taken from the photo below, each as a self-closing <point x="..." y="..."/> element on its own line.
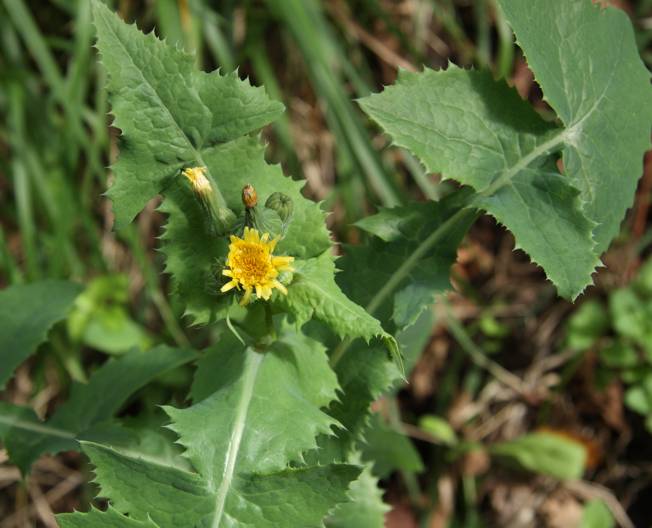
<point x="506" y="357"/>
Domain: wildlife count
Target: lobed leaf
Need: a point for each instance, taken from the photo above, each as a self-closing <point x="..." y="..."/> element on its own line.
<point x="477" y="131"/>
<point x="255" y="413"/>
<point x="586" y="60"/>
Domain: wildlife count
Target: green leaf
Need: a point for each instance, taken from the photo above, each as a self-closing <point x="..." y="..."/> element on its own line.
<point x="587" y="324"/>
<point x="315" y="294"/>
<point x="389" y="450"/>
<point x="597" y="515"/>
<point x="169" y="112"/>
<point x="366" y="508"/>
<point x="438" y="428"/>
<point x="194" y="256"/>
<point x="416" y="236"/>
<point x="27" y="312"/>
<point x="172" y="497"/>
<point x="365" y="374"/>
<point x="258" y="414"/>
<point x="100" y="318"/>
<point x="99" y="519"/>
<point x="477" y="131"/>
<point x="545" y="453"/>
<point x="85" y="413"/>
<point x="586" y="60"/>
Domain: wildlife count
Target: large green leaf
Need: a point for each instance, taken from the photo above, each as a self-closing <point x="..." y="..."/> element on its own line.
<point x="255" y="413"/>
<point x="84" y="415"/>
<point x="168" y="111"/>
<point x="585" y="59"/>
<point x="27" y="312"/>
<point x="471" y="128"/>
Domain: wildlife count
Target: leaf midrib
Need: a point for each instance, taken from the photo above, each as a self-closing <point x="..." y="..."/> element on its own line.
<point x="235" y="443"/>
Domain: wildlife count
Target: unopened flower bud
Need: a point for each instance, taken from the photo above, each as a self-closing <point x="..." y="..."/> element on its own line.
<point x="249" y="196"/>
<point x="282" y="204"/>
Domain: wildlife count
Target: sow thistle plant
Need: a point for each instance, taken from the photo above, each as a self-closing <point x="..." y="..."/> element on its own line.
<point x="279" y="409"/>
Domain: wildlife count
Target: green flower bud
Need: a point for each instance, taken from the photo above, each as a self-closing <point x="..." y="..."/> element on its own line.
<point x="282" y="204"/>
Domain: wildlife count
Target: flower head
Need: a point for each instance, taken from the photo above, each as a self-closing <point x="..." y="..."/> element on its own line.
<point x="197" y="178"/>
<point x="252" y="267"/>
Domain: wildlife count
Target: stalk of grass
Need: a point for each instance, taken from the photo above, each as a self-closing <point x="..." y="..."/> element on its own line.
<point x="305" y="22"/>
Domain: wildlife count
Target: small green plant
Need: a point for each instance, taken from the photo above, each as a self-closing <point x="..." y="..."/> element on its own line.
<point x="277" y="429"/>
<point x="620" y="332"/>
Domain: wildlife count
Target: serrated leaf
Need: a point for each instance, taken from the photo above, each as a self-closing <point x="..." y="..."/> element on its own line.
<point x="406" y="231"/>
<point x="27" y="312"/>
<point x="169" y="112"/>
<point x="366" y="508"/>
<point x="586" y="60"/>
<point x="173" y="497"/>
<point x="364" y="375"/>
<point x="99" y="519"/>
<point x="315" y="294"/>
<point x="478" y="131"/>
<point x="89" y="406"/>
<point x="263" y="413"/>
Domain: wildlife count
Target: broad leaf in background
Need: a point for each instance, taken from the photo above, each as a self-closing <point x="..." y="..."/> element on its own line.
<point x="27" y="312"/>
<point x="479" y="132"/>
<point x="100" y="318"/>
<point x="586" y="61"/>
<point x="255" y="414"/>
<point x="545" y="453"/>
<point x="389" y="450"/>
<point x="86" y="413"/>
<point x="597" y="515"/>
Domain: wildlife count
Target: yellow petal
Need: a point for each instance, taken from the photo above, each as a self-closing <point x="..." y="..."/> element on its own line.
<point x="229" y="286"/>
<point x="246" y="297"/>
<point x="227" y="273"/>
<point x="280" y="287"/>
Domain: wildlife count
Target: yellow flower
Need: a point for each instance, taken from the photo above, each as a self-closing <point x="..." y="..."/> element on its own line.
<point x="252" y="267"/>
<point x="197" y="178"/>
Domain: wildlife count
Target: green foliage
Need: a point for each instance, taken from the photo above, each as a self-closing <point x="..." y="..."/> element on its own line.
<point x="585" y="59"/>
<point x="545" y="453"/>
<point x="365" y="509"/>
<point x="240" y="445"/>
<point x="88" y="411"/>
<point x="477" y="131"/>
<point x="100" y="318"/>
<point x="27" y="312"/>
<point x="597" y="515"/>
<point x="389" y="450"/>
<point x="620" y="331"/>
